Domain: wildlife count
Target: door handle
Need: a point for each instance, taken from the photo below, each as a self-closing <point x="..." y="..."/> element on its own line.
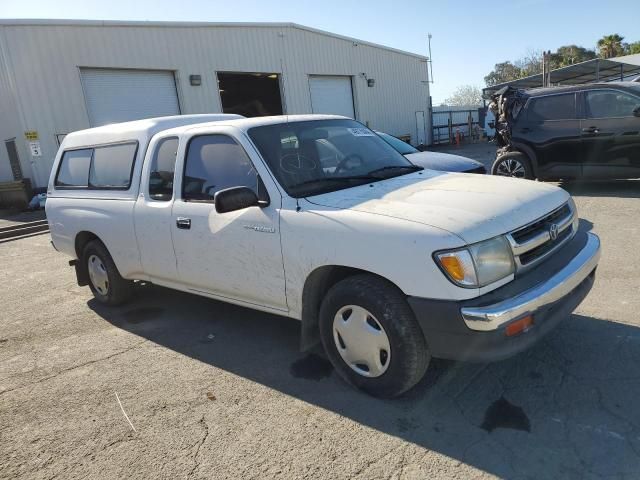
<point x="590" y="130"/>
<point x="525" y="130"/>
<point x="183" y="223"/>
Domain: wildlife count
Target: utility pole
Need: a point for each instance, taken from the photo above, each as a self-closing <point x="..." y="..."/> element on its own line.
<point x="429" y="61"/>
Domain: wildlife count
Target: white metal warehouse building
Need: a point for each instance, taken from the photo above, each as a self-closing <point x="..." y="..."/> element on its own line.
<point x="58" y="76"/>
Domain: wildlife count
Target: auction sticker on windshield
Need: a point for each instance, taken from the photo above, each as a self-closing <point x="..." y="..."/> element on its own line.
<point x="361" y="132"/>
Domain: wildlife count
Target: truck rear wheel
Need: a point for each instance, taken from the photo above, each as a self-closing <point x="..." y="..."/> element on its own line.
<point x="372" y="337"/>
<point x="105" y="281"/>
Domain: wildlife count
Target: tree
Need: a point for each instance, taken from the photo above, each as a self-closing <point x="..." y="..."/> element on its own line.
<point x="530" y="64"/>
<point x="570" y="54"/>
<point x="503" y="72"/>
<point x="465" y="95"/>
<point x="632" y="48"/>
<point x="610" y="46"/>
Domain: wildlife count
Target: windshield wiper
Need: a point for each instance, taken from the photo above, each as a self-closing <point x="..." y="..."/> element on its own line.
<point x="328" y="184"/>
<point x="410" y="168"/>
<point x="347" y="178"/>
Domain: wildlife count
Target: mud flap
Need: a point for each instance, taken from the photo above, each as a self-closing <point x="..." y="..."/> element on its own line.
<point x="82" y="275"/>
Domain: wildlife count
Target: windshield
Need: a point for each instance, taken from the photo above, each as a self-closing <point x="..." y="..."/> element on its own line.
<point x="402" y="148"/>
<point x="319" y="156"/>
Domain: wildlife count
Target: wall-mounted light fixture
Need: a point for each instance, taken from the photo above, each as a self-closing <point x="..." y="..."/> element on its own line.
<point x="195" y="80"/>
<point x="370" y="81"/>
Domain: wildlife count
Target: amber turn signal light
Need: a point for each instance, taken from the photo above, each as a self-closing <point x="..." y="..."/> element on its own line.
<point x="519" y="326"/>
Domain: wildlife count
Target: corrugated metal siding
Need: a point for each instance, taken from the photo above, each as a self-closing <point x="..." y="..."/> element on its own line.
<point x="10" y="125"/>
<point x="47" y="59"/>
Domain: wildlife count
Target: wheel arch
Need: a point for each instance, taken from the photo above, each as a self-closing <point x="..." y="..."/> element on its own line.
<point x="530" y="154"/>
<point x="316" y="286"/>
<point x="80" y="242"/>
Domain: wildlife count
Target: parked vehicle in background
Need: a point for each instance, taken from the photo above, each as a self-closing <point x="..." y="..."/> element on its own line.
<point x="583" y="131"/>
<point x="385" y="263"/>
<point x="444" y="162"/>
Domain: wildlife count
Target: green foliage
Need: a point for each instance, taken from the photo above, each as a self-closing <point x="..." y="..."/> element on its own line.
<point x="503" y="72"/>
<point x="632" y="48"/>
<point x="570" y="54"/>
<point x="610" y="46"/>
<point x="531" y="64"/>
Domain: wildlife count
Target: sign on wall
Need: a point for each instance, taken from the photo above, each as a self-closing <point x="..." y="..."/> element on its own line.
<point x="35" y="149"/>
<point x="31" y="135"/>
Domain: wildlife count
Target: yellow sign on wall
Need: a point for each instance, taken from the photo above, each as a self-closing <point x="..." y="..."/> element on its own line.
<point x="31" y="135"/>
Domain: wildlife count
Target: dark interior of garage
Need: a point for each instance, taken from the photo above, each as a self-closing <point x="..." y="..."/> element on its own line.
<point x="250" y="94"/>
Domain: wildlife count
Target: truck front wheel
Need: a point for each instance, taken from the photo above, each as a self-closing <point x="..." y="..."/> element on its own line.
<point x="372" y="337"/>
<point x="105" y="281"/>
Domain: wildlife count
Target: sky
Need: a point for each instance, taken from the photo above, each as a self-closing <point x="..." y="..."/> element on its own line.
<point x="468" y="37"/>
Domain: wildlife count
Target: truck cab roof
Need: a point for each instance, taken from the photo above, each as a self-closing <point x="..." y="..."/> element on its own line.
<point x="245" y="124"/>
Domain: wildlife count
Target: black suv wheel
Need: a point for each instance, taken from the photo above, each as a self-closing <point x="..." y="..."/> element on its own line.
<point x="513" y="164"/>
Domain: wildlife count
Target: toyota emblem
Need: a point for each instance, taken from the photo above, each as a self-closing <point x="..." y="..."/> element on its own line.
<point x="553" y="231"/>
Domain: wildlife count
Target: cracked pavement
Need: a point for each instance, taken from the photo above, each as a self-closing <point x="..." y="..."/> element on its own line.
<point x="218" y="391"/>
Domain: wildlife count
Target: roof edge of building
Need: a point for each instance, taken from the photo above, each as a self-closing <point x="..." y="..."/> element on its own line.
<point x="172" y="24"/>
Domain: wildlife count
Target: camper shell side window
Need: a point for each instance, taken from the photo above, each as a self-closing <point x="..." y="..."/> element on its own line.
<point x="98" y="167"/>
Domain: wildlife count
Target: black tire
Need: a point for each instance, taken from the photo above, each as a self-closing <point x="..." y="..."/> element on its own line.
<point x="513" y="164"/>
<point x="118" y="290"/>
<point x="409" y="356"/>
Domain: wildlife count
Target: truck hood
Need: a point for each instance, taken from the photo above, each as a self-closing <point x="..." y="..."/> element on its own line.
<point x="473" y="207"/>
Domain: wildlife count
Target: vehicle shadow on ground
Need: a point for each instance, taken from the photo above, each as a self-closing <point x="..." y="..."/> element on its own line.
<point x="602" y="188"/>
<point x="566" y="408"/>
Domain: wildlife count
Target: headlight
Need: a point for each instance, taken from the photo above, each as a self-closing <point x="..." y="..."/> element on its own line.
<point x="479" y="264"/>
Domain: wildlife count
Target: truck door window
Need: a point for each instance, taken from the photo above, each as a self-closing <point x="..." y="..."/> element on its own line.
<point x="553" y="107"/>
<point x="610" y="104"/>
<point x="163" y="165"/>
<point x="213" y="163"/>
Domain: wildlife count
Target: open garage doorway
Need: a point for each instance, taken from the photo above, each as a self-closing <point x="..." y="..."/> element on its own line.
<point x="250" y="94"/>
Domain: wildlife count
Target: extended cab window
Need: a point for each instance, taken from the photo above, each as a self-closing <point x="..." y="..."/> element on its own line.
<point x="74" y="168"/>
<point x="553" y="107"/>
<point x="111" y="166"/>
<point x="610" y="104"/>
<point x="214" y="163"/>
<point x="163" y="165"/>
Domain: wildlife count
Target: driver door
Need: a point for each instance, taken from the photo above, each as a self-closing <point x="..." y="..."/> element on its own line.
<point x="235" y="255"/>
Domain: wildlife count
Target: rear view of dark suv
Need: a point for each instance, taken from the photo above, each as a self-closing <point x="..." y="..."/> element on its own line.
<point x="582" y="131"/>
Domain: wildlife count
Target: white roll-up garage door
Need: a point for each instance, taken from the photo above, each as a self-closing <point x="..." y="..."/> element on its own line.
<point x="331" y="95"/>
<point x="122" y="95"/>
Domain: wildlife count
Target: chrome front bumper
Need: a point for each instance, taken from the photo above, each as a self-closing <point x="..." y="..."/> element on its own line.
<point x="491" y="317"/>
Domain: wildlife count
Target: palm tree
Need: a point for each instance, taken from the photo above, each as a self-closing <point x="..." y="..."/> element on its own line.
<point x="610" y="46"/>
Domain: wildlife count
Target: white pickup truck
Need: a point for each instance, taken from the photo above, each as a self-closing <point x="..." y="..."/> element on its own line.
<point x="385" y="263"/>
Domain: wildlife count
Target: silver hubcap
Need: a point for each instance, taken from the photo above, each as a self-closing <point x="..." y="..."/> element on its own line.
<point x="511" y="168"/>
<point x="98" y="274"/>
<point x="361" y="341"/>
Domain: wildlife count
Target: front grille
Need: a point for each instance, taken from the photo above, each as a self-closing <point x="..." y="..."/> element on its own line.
<point x="530" y="256"/>
<point x="533" y="242"/>
<point x="531" y="230"/>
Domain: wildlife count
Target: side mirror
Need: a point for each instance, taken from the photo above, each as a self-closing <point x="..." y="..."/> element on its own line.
<point x="235" y="198"/>
<point x="636" y="111"/>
